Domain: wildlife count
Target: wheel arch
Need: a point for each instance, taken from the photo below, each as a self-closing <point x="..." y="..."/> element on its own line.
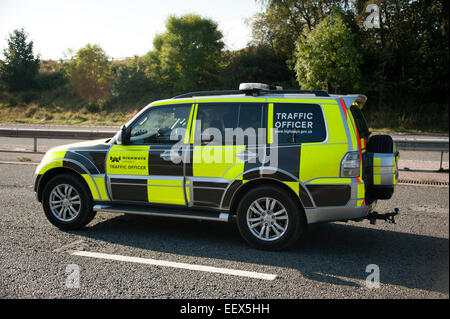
<point x="48" y="175"/>
<point x="263" y="181"/>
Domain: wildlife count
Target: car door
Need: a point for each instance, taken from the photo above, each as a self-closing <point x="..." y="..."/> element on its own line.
<point x="219" y="157"/>
<point x="150" y="169"/>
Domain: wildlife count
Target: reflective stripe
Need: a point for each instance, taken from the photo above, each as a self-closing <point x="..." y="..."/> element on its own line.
<point x="173" y="101"/>
<point x="165" y="182"/>
<point x="361" y="194"/>
<point x="336" y="127"/>
<point x="321" y="161"/>
<point x="343" y="107"/>
<point x="358" y="139"/>
<point x="194" y="121"/>
<point x="317" y="101"/>
<point x="186" y="134"/>
<point x="92" y="186"/>
<point x="216" y="161"/>
<point x="351" y="125"/>
<point x="242" y="99"/>
<point x="49" y="160"/>
<point x="100" y="182"/>
<point x="188" y="191"/>
<point x="330" y="181"/>
<point x="44" y="167"/>
<point x="294" y="186"/>
<point x="270" y="124"/>
<point x="165" y="191"/>
<point x="129" y="147"/>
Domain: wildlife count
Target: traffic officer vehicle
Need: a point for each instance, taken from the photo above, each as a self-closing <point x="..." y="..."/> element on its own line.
<point x="274" y="160"/>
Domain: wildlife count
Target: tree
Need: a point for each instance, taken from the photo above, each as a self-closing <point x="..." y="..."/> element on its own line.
<point x="285" y="21"/>
<point x="131" y="80"/>
<point x="255" y="64"/>
<point x="90" y="73"/>
<point x="187" y="55"/>
<point x="20" y="67"/>
<point x="327" y="58"/>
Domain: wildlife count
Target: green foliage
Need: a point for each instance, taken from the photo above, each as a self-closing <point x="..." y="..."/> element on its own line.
<point x="19" y="69"/>
<point x="49" y="81"/>
<point x="187" y="55"/>
<point x="131" y="79"/>
<point x="406" y="60"/>
<point x="255" y="64"/>
<point x="327" y="58"/>
<point x="284" y="21"/>
<point x="90" y="73"/>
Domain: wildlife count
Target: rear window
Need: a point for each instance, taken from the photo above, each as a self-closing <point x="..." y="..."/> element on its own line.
<point x="298" y="123"/>
<point x="360" y="121"/>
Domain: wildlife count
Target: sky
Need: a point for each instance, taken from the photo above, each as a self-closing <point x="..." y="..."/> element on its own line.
<point x="123" y="28"/>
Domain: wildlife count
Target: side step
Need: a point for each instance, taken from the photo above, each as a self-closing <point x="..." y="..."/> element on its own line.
<point x="167" y="212"/>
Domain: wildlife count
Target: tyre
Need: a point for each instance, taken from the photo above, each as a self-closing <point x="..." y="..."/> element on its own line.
<point x="67" y="202"/>
<point x="269" y="218"/>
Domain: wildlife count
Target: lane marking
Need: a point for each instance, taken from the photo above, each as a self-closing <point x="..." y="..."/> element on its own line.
<point x="164" y="263"/>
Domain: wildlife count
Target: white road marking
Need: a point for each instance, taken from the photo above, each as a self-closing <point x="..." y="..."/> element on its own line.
<point x="164" y="263"/>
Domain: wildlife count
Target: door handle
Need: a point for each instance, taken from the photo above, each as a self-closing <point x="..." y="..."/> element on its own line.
<point x="246" y="155"/>
<point x="172" y="156"/>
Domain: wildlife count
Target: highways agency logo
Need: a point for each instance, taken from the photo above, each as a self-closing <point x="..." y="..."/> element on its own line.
<point x="115" y="159"/>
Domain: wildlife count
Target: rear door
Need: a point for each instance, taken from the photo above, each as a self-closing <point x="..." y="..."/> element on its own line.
<point x="221" y="148"/>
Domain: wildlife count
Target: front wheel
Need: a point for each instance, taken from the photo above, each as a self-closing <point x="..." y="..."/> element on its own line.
<point x="67" y="202"/>
<point x="269" y="218"/>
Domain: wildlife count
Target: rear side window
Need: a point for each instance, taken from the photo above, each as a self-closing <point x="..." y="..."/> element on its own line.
<point x="298" y="123"/>
<point x="248" y="117"/>
<point x="360" y="121"/>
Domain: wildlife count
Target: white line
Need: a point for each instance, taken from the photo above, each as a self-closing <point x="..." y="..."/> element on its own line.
<point x="165" y="263"/>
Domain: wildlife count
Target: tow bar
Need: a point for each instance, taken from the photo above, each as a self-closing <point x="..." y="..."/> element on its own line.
<point x="388" y="217"/>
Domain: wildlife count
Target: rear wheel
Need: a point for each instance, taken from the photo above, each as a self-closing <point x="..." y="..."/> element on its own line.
<point x="67" y="202"/>
<point x="269" y="218"/>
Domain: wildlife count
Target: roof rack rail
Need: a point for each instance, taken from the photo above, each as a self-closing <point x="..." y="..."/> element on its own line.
<point x="315" y="92"/>
<point x="252" y="92"/>
<point x="204" y="93"/>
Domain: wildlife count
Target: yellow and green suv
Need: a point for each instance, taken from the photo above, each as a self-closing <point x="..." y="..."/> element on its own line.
<point x="276" y="160"/>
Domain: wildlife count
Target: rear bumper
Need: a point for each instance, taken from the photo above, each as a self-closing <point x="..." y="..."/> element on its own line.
<point x="329" y="214"/>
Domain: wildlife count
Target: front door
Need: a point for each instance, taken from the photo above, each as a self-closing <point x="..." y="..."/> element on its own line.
<point x="149" y="170"/>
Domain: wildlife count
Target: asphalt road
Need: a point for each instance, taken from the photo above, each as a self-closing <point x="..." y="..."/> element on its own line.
<point x="36" y="260"/>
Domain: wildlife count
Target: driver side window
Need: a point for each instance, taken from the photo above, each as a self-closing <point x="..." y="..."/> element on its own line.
<point x="160" y="125"/>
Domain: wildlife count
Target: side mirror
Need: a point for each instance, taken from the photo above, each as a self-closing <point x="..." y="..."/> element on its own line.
<point x="124" y="137"/>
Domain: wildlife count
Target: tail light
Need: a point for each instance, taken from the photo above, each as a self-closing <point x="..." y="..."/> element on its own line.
<point x="350" y="164"/>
